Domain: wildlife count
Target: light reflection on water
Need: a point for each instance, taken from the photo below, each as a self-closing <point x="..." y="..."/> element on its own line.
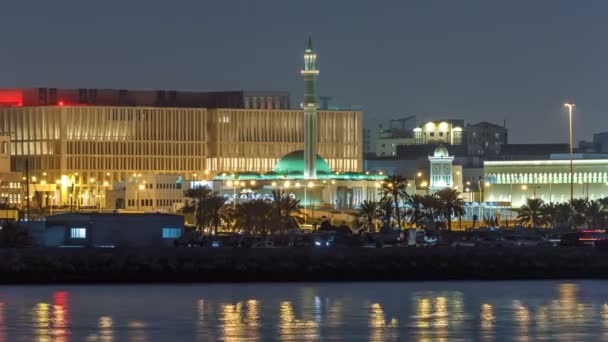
<point x="449" y="311"/>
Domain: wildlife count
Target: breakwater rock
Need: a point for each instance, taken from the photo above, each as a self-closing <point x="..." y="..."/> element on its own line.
<point x="83" y="265"/>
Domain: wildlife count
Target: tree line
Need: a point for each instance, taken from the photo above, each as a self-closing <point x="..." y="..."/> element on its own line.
<point x="209" y="209"/>
<point x="575" y="213"/>
<point x="397" y="207"/>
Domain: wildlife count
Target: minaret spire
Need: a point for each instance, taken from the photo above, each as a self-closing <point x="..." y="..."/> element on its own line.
<point x="310" y="106"/>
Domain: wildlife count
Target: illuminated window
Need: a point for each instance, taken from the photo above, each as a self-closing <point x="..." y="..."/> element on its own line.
<point x="171" y="233"/>
<point x="78" y="233"/>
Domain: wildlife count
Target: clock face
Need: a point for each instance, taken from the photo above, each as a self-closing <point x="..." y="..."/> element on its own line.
<point x="436" y="169"/>
<point x="446" y="169"/>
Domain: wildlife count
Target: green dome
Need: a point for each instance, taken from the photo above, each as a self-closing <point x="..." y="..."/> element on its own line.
<point x="294" y="162"/>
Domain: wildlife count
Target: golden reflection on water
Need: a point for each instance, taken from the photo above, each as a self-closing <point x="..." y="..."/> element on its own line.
<point x="291" y="328"/>
<point x="42" y="322"/>
<point x="239" y="321"/>
<point x="106" y="329"/>
<point x="137" y="331"/>
<point x="51" y="321"/>
<point x="435" y="315"/>
<point x="522" y="318"/>
<point x="380" y="327"/>
<point x="334" y="315"/>
<point x="487" y="319"/>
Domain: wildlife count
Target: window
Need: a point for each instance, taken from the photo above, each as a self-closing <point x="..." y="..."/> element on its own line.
<point x="78" y="233"/>
<point x="432" y="134"/>
<point x="171" y="233"/>
<point x="440" y="134"/>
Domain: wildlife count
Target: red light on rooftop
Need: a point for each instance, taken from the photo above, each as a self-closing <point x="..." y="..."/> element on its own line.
<point x="60" y="103"/>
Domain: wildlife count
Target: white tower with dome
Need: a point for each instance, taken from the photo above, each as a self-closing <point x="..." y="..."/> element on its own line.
<point x="441" y="170"/>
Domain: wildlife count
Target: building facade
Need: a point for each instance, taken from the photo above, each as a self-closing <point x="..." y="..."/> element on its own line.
<point x="70" y="145"/>
<point x="485" y="139"/>
<point x="441" y="170"/>
<point x="449" y="132"/>
<point x="549" y="180"/>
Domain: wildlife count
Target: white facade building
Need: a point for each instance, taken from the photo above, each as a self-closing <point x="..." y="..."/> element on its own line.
<point x="441" y="170"/>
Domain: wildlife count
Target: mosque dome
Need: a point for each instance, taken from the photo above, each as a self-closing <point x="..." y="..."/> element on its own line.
<point x="441" y="151"/>
<point x="293" y="163"/>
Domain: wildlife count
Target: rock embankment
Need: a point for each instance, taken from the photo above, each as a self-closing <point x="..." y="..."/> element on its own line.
<point x="43" y="266"/>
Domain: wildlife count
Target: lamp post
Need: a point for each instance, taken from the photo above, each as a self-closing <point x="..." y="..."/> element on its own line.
<point x="570" y="106"/>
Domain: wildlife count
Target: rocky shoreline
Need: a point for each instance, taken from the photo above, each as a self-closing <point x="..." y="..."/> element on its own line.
<point x="185" y="265"/>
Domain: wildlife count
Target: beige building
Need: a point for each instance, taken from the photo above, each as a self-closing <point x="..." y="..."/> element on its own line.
<point x="11" y="183"/>
<point x="79" y="150"/>
<point x="447" y="132"/>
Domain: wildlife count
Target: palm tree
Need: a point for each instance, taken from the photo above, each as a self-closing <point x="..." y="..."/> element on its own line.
<point x="450" y="204"/>
<point x="558" y="214"/>
<point x="417" y="215"/>
<point x="579" y="208"/>
<point x="253" y="216"/>
<point x="595" y="215"/>
<point x="395" y="188"/>
<point x="531" y="214"/>
<point x="198" y="195"/>
<point x="369" y="210"/>
<point x="386" y="207"/>
<point x="431" y="207"/>
<point x="213" y="206"/>
<point x="286" y="211"/>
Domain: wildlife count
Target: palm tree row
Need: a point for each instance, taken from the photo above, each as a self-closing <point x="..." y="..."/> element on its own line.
<point x="209" y="210"/>
<point x="576" y="213"/>
<point x="426" y="211"/>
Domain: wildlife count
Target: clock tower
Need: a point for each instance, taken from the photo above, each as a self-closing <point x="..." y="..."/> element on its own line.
<point x="441" y="170"/>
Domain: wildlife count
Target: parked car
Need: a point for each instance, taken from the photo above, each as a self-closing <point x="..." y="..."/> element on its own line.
<point x="523" y="240"/>
<point x="587" y="238"/>
<point x="263" y="244"/>
<point x="464" y="241"/>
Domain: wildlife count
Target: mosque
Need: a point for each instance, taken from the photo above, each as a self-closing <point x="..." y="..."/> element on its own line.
<point x="304" y="174"/>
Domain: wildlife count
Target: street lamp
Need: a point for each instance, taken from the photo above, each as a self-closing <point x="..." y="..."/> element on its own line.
<point x="570" y="107"/>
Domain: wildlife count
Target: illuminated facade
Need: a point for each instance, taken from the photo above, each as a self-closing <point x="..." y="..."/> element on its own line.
<point x="447" y="132"/>
<point x="549" y="180"/>
<point x="441" y="170"/>
<point x="73" y="144"/>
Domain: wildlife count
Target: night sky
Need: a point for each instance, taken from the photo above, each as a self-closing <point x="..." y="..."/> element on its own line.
<point x="475" y="60"/>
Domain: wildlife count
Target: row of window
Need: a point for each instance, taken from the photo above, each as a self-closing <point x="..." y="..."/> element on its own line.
<point x="167" y="233"/>
<point x="168" y="185"/>
<point x="149" y="202"/>
<point x="136" y="148"/>
<point x="545" y="178"/>
<point x="172" y="163"/>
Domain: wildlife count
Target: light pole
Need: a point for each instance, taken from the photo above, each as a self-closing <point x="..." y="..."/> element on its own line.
<point x="570" y="107"/>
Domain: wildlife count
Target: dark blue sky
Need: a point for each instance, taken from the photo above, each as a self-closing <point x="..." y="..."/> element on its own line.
<point x="517" y="60"/>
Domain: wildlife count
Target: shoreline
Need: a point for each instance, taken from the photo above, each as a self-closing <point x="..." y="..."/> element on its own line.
<point x="38" y="266"/>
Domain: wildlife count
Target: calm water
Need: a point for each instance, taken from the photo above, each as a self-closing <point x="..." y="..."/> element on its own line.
<point x="454" y="311"/>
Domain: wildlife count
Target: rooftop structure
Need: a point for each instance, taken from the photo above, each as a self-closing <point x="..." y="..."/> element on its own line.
<point x="32" y="97"/>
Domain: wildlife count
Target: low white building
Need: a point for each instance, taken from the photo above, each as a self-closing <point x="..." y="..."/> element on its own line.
<point x="157" y="193"/>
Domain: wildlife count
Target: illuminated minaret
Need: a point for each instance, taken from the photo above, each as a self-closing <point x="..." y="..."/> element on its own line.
<point x="309" y="105"/>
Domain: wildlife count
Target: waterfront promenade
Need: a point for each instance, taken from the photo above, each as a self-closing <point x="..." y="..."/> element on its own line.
<point x="82" y="265"/>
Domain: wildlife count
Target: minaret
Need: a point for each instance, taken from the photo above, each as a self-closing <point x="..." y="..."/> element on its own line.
<point x="310" y="106"/>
